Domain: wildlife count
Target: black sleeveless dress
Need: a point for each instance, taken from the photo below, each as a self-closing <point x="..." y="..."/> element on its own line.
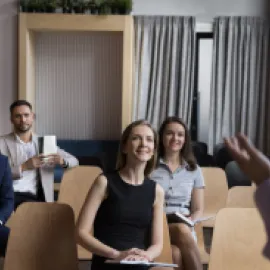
<point x="124" y="219"/>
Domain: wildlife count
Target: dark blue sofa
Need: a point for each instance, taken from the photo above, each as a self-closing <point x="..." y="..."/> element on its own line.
<point x="101" y="153"/>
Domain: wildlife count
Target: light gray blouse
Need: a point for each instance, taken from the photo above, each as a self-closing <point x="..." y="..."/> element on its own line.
<point x="178" y="186"/>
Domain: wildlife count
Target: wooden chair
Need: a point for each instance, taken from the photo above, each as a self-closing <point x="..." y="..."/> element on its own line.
<point x="74" y="188"/>
<point x="215" y="194"/>
<point x="239" y="237"/>
<point x="166" y="254"/>
<point x="201" y="245"/>
<point x="239" y="197"/>
<point x="42" y="237"/>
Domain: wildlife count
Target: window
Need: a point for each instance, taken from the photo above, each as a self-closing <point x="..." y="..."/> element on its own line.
<point x="202" y="84"/>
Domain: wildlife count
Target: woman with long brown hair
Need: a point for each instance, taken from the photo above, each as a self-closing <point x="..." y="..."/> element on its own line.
<point x="125" y="207"/>
<point x="181" y="178"/>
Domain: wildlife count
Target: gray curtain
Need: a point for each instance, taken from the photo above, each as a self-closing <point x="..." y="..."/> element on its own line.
<point x="164" y="71"/>
<point x="240" y="80"/>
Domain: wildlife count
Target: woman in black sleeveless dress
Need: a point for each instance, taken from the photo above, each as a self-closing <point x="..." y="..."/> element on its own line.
<point x="125" y="207"/>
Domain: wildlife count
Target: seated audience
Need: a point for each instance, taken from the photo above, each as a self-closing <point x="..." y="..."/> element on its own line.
<point x="182" y="180"/>
<point x="7" y="202"/>
<point x="32" y="178"/>
<point x="257" y="167"/>
<point x="125" y="208"/>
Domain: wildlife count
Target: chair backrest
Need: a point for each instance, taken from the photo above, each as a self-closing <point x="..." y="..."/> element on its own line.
<point x="75" y="185"/>
<point x="42" y="237"/>
<point x="241" y="197"/>
<point x="215" y="193"/>
<point x="238" y="239"/>
<point x="166" y="254"/>
<point x="74" y="188"/>
<point x="235" y="176"/>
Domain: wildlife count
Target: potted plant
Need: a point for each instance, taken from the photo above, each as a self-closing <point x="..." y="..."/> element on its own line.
<point x="34" y="6"/>
<point x="65" y="5"/>
<point x="92" y="7"/>
<point x="24" y="5"/>
<point x="113" y="5"/>
<point x="50" y="6"/>
<point x="103" y="7"/>
<point x="124" y="6"/>
<point x="79" y="6"/>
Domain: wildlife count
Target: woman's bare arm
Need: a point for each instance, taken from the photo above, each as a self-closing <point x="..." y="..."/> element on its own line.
<point x="197" y="203"/>
<point x="155" y="248"/>
<point x="86" y="220"/>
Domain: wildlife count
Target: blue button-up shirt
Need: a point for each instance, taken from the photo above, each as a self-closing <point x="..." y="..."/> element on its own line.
<point x="178" y="185"/>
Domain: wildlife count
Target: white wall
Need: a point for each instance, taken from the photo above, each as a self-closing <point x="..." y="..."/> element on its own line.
<point x="8" y="60"/>
<point x="204" y="10"/>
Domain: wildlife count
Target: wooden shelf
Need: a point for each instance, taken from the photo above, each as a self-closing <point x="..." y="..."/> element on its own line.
<point x="31" y="23"/>
<point x="74" y="22"/>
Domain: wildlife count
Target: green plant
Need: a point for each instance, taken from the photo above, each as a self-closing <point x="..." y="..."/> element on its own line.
<point x="92" y="6"/>
<point x="50" y="5"/>
<point x="34" y="6"/>
<point x="66" y="5"/>
<point x="103" y="6"/>
<point x="24" y="5"/>
<point x="79" y="6"/>
<point x="124" y="6"/>
<point x="113" y="6"/>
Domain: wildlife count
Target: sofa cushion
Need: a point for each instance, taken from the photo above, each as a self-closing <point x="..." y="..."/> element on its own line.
<point x="101" y="153"/>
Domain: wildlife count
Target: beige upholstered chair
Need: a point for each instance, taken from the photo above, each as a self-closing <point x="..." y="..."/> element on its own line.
<point x="166" y="254"/>
<point x="42" y="237"/>
<point x="238" y="239"/>
<point x="241" y="197"/>
<point x="74" y="188"/>
<point x="215" y="194"/>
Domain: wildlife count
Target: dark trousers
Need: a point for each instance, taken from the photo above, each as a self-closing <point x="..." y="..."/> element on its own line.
<point x="4" y="233"/>
<point x="21" y="197"/>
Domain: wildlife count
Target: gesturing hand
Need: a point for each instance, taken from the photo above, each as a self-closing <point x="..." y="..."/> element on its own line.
<point x="251" y="161"/>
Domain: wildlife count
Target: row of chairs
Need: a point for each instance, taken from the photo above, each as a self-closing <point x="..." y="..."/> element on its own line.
<point x="237" y="198"/>
<point x="46" y="240"/>
<point x="77" y="181"/>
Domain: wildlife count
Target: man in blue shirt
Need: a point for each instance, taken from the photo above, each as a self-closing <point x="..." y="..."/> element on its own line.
<point x="6" y="201"/>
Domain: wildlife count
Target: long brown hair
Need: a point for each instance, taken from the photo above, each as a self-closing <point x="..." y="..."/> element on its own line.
<point x="186" y="151"/>
<point x="121" y="156"/>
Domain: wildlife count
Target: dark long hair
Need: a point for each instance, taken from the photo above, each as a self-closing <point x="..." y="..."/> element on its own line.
<point x="186" y="151"/>
<point x="122" y="158"/>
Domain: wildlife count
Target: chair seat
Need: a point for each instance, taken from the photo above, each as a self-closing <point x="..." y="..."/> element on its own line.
<point x="238" y="240"/>
<point x="83" y="254"/>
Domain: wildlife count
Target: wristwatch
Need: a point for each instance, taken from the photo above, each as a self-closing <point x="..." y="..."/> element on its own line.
<point x="65" y="164"/>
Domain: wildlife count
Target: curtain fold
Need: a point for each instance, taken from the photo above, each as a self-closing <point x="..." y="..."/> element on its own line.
<point x="164" y="67"/>
<point x="240" y="80"/>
